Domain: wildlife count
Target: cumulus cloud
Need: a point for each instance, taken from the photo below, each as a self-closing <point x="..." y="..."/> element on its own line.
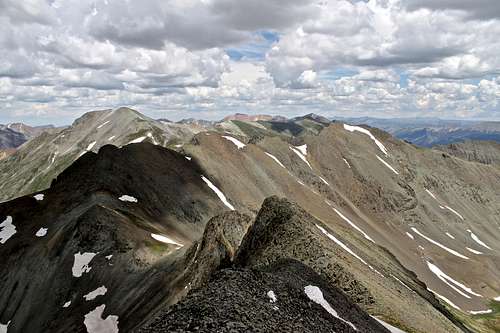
<point x="209" y="58"/>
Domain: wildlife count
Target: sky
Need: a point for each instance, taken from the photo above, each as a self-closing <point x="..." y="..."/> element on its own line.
<point x="209" y="58"/>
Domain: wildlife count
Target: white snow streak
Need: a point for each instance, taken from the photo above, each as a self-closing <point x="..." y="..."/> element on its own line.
<point x="473" y="251"/>
<point x="138" y="140"/>
<point x="445" y="299"/>
<point x="342" y="245"/>
<point x="275" y="159"/>
<point x="302" y="149"/>
<point x="39" y="197"/>
<point x="353" y="225"/>
<point x="103" y="124"/>
<point x="67" y="304"/>
<point x="165" y="239"/>
<point x="451" y="282"/>
<point x="41" y="232"/>
<point x="315" y="295"/>
<point x="450" y="235"/>
<point x="454" y="212"/>
<point x="7" y="230"/>
<point x="111" y="138"/>
<point x="387" y="165"/>
<point x="431" y="194"/>
<point x="298" y="152"/>
<point x="272" y="296"/>
<point x="455" y="253"/>
<point x="323" y="180"/>
<point x="235" y="141"/>
<point x="90" y="146"/>
<point x="402" y="283"/>
<point x="391" y="328"/>
<point x="348" y="165"/>
<point x="409" y="235"/>
<point x="367" y="132"/>
<point x="98" y="292"/>
<point x="477" y="240"/>
<point x="81" y="263"/>
<point x="219" y="193"/>
<point x="497" y="299"/>
<point x="480" y="312"/>
<point x="95" y="324"/>
<point x="188" y="158"/>
<point x="127" y="198"/>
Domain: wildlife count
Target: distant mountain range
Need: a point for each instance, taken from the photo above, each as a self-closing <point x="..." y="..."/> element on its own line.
<point x="121" y="222"/>
<point x="428" y="132"/>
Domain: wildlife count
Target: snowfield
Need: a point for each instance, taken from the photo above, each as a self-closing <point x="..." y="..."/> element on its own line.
<point x="299" y="153"/>
<point x="455" y="285"/>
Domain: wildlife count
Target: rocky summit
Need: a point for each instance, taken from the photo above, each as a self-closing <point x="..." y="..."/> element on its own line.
<point x="123" y="223"/>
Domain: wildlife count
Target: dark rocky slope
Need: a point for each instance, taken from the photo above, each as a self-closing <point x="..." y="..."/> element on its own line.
<point x="272" y="299"/>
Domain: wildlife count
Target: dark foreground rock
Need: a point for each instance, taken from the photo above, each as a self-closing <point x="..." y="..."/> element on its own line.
<point x="272" y="299"/>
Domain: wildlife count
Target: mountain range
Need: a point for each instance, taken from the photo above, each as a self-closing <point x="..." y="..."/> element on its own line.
<point x="120" y="222"/>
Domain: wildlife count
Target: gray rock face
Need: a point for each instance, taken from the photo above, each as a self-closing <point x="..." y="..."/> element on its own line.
<point x="272" y="299"/>
<point x="11" y="139"/>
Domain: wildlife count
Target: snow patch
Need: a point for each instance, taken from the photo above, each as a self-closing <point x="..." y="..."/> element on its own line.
<point x="302" y="156"/>
<point x="7" y="230"/>
<point x="165" y="239"/>
<point x="345" y="161"/>
<point x="402" y="283"/>
<point x="367" y="132"/>
<point x="219" y="193"/>
<point x="81" y="263"/>
<point x="235" y="141"/>
<point x="272" y="296"/>
<point x="41" y="232"/>
<point x="150" y="135"/>
<point x="275" y="159"/>
<point x="302" y="149"/>
<point x="109" y="257"/>
<point x="90" y="146"/>
<point x="111" y="138"/>
<point x="387" y="165"/>
<point x="455" y="285"/>
<point x="138" y="140"/>
<point x="391" y="328"/>
<point x="450" y="235"/>
<point x="67" y="304"/>
<point x="188" y="158"/>
<point x="409" y="235"/>
<point x="4" y="328"/>
<point x="342" y="245"/>
<point x="127" y="198"/>
<point x="480" y="312"/>
<point x="431" y="194"/>
<point x="455" y="253"/>
<point x="95" y="324"/>
<point x="98" y="292"/>
<point x="315" y="295"/>
<point x="477" y="240"/>
<point x="353" y="225"/>
<point x="39" y="197"/>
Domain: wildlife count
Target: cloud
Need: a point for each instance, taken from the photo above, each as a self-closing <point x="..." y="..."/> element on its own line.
<point x="59" y="59"/>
